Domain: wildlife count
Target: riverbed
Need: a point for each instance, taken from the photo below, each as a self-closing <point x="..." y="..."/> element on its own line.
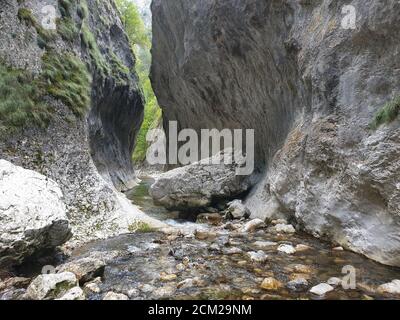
<point x="154" y="265"/>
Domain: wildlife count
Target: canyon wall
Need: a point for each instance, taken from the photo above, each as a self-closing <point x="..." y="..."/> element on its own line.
<point x="310" y="87"/>
<point x="82" y="77"/>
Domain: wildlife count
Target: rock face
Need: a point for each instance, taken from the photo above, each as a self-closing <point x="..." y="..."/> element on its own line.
<point x="51" y="286"/>
<point x="310" y="87"/>
<point x="89" y="156"/>
<point x="32" y="214"/>
<point x="200" y="184"/>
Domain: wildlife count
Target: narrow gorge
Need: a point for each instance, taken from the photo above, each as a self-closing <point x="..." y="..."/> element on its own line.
<point x="85" y="216"/>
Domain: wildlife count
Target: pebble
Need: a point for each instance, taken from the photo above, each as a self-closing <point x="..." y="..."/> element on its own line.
<point x="299" y="284"/>
<point x="115" y="296"/>
<point x="92" y="287"/>
<point x="167" y="277"/>
<point x="286" y="248"/>
<point x="264" y="244"/>
<point x="391" y="287"/>
<point x="205" y="235"/>
<point x="278" y="221"/>
<point x="271" y="284"/>
<point x="253" y="225"/>
<point x="321" y="289"/>
<point x="233" y="250"/>
<point x="285" y="228"/>
<point x="302" y="248"/>
<point x="188" y="283"/>
<point x="209" y="218"/>
<point x="301" y="268"/>
<point x="133" y="293"/>
<point x="258" y="256"/>
<point x="164" y="292"/>
<point x="75" y="293"/>
<point x="242" y="262"/>
<point x="180" y="267"/>
<point x="147" y="288"/>
<point x="334" y="281"/>
<point x="338" y="249"/>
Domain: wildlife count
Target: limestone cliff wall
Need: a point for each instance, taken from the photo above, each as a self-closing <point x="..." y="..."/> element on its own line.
<point x="310" y="88"/>
<point x="88" y="154"/>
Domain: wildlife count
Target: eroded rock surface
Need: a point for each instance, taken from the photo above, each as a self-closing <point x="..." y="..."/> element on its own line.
<point x="32" y="214"/>
<point x="310" y="88"/>
<point x="89" y="156"/>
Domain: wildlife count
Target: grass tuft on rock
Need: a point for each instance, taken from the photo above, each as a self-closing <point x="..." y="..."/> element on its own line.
<point x="20" y="102"/>
<point x="67" y="78"/>
<point x="140" y="227"/>
<point x="67" y="29"/>
<point x="389" y="112"/>
<point x="94" y="51"/>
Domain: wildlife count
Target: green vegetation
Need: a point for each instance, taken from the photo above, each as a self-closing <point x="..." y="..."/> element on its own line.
<point x="120" y="71"/>
<point x="387" y="114"/>
<point x="20" y="102"/>
<point x="83" y="11"/>
<point x="140" y="226"/>
<point x="67" y="29"/>
<point x="94" y="51"/>
<point x="66" y="7"/>
<point x="134" y="26"/>
<point x="67" y="78"/>
<point x="139" y="37"/>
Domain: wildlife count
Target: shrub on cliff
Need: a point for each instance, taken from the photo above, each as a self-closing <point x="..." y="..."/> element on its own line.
<point x="388" y="113"/>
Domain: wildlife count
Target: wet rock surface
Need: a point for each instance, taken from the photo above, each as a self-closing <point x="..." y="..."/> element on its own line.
<point x="201" y="272"/>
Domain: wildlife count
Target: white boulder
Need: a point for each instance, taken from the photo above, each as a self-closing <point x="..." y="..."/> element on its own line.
<point x="32" y="214"/>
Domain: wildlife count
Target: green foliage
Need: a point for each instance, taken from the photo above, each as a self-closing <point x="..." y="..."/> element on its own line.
<point x="66" y="77"/>
<point x="83" y="11"/>
<point x="66" y="7"/>
<point x="141" y="44"/>
<point x="152" y="117"/>
<point x="94" y="51"/>
<point x="120" y="71"/>
<point x="20" y="102"/>
<point x="387" y="114"/>
<point x="67" y="29"/>
<point x="134" y="25"/>
<point x="140" y="226"/>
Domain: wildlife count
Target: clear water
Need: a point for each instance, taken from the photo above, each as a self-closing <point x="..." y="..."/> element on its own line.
<point x="142" y="260"/>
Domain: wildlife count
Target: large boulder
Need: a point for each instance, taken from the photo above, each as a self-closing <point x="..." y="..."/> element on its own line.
<point x="32" y="214"/>
<point x="202" y="183"/>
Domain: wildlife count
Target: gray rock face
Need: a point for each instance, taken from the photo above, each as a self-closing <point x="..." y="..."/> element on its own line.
<point x="200" y="184"/>
<point x="309" y="88"/>
<point x="89" y="157"/>
<point x="32" y="214"/>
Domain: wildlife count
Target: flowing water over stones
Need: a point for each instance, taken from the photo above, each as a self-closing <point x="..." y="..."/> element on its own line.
<point x="155" y="265"/>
